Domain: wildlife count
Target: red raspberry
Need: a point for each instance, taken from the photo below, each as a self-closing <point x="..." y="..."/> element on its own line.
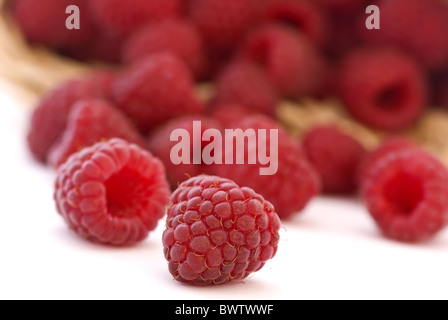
<point x="228" y="115"/>
<point x="155" y="90"/>
<point x="44" y="22"/>
<point x="113" y="192"/>
<point x="50" y="116"/>
<point x="294" y="184"/>
<point x="160" y="145"/>
<point x="223" y="23"/>
<point x="418" y="27"/>
<point x="89" y="122"/>
<point x="382" y="88"/>
<point x="217" y="232"/>
<point x="336" y="157"/>
<point x="302" y="15"/>
<point x="391" y="145"/>
<point x="178" y="37"/>
<point x="246" y="84"/>
<point x="406" y="193"/>
<point x="293" y="65"/>
<point x="122" y="18"/>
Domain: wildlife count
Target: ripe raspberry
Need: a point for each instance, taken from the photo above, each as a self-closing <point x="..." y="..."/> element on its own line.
<point x="160" y="145"/>
<point x="89" y="122"/>
<point x="382" y="88"/>
<point x="406" y="193"/>
<point x="418" y="27"/>
<point x="44" y="22"/>
<point x="391" y="145"/>
<point x="228" y="115"/>
<point x="302" y="15"/>
<point x="177" y="37"/>
<point x="217" y="232"/>
<point x="49" y="118"/>
<point x="155" y="90"/>
<point x="336" y="157"/>
<point x="112" y="193"/>
<point x="246" y="84"/>
<point x="122" y="18"/>
<point x="293" y="65"/>
<point x="222" y="23"/>
<point x="292" y="186"/>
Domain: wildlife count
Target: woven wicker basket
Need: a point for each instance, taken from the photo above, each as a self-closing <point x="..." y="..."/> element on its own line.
<point x="32" y="70"/>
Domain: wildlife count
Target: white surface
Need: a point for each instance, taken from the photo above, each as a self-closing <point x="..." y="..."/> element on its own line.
<point x="331" y="251"/>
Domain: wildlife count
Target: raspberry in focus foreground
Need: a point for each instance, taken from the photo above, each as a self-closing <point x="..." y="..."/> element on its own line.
<point x="113" y="192"/>
<point x="406" y="194"/>
<point x="218" y="232"/>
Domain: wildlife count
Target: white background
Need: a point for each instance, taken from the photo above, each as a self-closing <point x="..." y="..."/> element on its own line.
<point x="330" y="251"/>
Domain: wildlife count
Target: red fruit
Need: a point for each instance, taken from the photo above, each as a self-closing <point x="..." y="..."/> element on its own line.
<point x="336" y="157"/>
<point x="177" y="37"/>
<point x="217" y="232"/>
<point x="89" y="122"/>
<point x="293" y="65"/>
<point x="302" y="15"/>
<point x="160" y="144"/>
<point x="406" y="193"/>
<point x="112" y="193"/>
<point x="292" y="186"/>
<point x="222" y="23"/>
<point x="341" y="6"/>
<point x="155" y="90"/>
<point x="122" y="18"/>
<point x="44" y="22"/>
<point x="391" y="145"/>
<point x="50" y="116"/>
<point x="418" y="27"/>
<point x="382" y="88"/>
<point x="246" y="84"/>
<point x="228" y="115"/>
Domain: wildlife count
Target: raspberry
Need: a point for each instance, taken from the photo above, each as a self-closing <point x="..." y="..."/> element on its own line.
<point x="155" y="90"/>
<point x="245" y="84"/>
<point x="418" y="27"/>
<point x="113" y="192"/>
<point x="50" y="116"/>
<point x="382" y="88"/>
<point x="391" y="145"/>
<point x="160" y="145"/>
<point x="177" y="37"/>
<point x="294" y="184"/>
<point x="336" y="157"/>
<point x="228" y="114"/>
<point x="122" y="18"/>
<point x="44" y="22"/>
<point x="293" y="65"/>
<point x="217" y="232"/>
<point x="302" y="15"/>
<point x="89" y="122"/>
<point x="222" y="23"/>
<point x="406" y="194"/>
